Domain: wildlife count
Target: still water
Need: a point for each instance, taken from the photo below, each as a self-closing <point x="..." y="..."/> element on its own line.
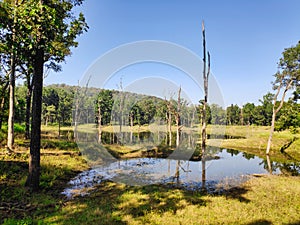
<point x="230" y="169"/>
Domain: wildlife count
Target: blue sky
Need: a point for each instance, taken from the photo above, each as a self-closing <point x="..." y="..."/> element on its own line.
<point x="245" y="39"/>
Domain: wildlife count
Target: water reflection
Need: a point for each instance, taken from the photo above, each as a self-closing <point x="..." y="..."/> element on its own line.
<point x="230" y="169"/>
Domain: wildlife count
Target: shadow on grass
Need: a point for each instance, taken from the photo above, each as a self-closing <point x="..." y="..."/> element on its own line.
<point x="112" y="203"/>
<point x="260" y="222"/>
<point x="17" y="202"/>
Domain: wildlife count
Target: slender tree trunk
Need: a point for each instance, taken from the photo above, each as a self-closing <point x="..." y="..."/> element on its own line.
<point x="33" y="178"/>
<point x="276" y="110"/>
<point x="28" y="110"/>
<point x="1" y="111"/>
<point x="2" y="103"/>
<point x="178" y="128"/>
<point x="170" y="128"/>
<point x="11" y="111"/>
<point x="99" y="123"/>
<point x="10" y="128"/>
<point x="205" y="79"/>
<point x="271" y="131"/>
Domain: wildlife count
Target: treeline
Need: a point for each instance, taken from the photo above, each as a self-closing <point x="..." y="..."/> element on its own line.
<point x="59" y="106"/>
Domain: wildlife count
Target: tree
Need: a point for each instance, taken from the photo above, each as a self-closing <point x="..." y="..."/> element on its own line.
<point x="177" y="119"/>
<point x="233" y="114"/>
<point x="9" y="47"/>
<point x="288" y="117"/>
<point x="218" y="114"/>
<point x="49" y="29"/>
<point x="205" y="79"/>
<point x="248" y="113"/>
<point x="104" y="104"/>
<point x="287" y="77"/>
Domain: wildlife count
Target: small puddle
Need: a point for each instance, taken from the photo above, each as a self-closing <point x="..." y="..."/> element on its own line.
<point x="231" y="169"/>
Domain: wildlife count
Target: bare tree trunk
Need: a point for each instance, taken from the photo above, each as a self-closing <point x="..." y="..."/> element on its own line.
<point x="76" y="114"/>
<point x="33" y="178"/>
<point x="99" y="123"/>
<point x="1" y="111"/>
<point x="10" y="128"/>
<point x="11" y="111"/>
<point x="271" y="132"/>
<point x="169" y="118"/>
<point x="205" y="79"/>
<point x="28" y="110"/>
<point x="276" y="110"/>
<point x="178" y="128"/>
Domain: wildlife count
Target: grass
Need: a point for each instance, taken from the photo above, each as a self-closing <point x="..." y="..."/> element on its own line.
<point x="265" y="200"/>
<point x="255" y="141"/>
<point x="261" y="200"/>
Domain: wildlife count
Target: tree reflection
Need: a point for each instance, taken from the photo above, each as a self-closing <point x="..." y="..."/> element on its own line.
<point x="287" y="168"/>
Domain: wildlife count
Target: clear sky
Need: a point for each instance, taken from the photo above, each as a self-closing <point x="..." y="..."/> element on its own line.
<point x="245" y="38"/>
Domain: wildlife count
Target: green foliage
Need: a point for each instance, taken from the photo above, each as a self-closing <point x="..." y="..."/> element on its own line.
<point x="11" y="221"/>
<point x="233" y="115"/>
<point x="104" y="102"/>
<point x="289" y="117"/>
<point x="248" y="113"/>
<point x="218" y="114"/>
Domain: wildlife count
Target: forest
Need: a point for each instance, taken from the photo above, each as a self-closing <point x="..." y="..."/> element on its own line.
<point x="183" y="163"/>
<point x="58" y="106"/>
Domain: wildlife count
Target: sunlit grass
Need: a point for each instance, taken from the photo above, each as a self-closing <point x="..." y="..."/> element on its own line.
<point x="255" y="141"/>
<point x="264" y="200"/>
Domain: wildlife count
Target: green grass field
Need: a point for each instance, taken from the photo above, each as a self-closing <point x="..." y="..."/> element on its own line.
<point x="266" y="199"/>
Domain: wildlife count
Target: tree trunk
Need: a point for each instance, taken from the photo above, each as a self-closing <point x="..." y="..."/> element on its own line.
<point x="99" y="123"/>
<point x="1" y="111"/>
<point x="271" y="131"/>
<point x="28" y="110"/>
<point x="276" y="110"/>
<point x="33" y="178"/>
<point x="170" y="128"/>
<point x="178" y="128"/>
<point x="11" y="111"/>
<point x="2" y="103"/>
<point x="205" y="79"/>
<point x="10" y="128"/>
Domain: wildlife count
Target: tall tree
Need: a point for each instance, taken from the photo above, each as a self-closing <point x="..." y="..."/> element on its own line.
<point x="233" y="114"/>
<point x="248" y="110"/>
<point x="11" y="114"/>
<point x="9" y="43"/>
<point x="104" y="104"/>
<point x="49" y="29"/>
<point x="286" y="78"/>
<point x="205" y="80"/>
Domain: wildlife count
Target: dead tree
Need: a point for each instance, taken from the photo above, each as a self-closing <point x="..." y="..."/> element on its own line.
<point x="178" y="124"/>
<point x="205" y="79"/>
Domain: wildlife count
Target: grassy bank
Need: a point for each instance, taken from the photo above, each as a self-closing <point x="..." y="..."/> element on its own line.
<point x="254" y="140"/>
<point x="261" y="200"/>
<point x="250" y="139"/>
<point x="266" y="200"/>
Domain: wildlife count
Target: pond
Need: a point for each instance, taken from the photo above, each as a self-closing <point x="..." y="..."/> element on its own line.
<point x="228" y="169"/>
